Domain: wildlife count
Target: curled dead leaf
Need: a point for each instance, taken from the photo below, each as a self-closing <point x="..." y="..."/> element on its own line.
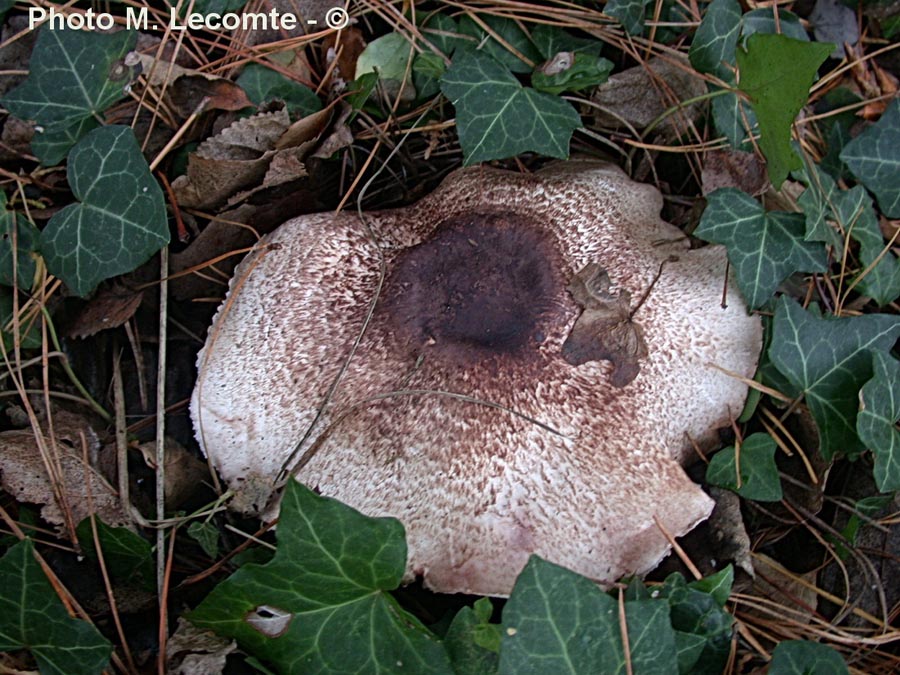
<point x="605" y="330"/>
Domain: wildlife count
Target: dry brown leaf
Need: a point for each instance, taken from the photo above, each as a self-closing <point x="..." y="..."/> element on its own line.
<point x="193" y="651"/>
<point x="110" y="308"/>
<point x="639" y="95"/>
<point x="731" y="168"/>
<point x="25" y="477"/>
<point x="605" y="330"/>
<point x="184" y="472"/>
<point x="187" y="88"/>
<point x="772" y="581"/>
<point x="235" y="159"/>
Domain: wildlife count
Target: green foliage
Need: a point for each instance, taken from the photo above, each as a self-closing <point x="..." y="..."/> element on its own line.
<point x="776" y="74"/>
<point x="877" y="420"/>
<point x="473" y="642"/>
<point x="119" y="220"/>
<point x="762" y="20"/>
<point x="630" y="13"/>
<point x="828" y="360"/>
<point x="207" y="535"/>
<point x="389" y="57"/>
<point x="798" y="657"/>
<point x="712" y="50"/>
<point x="511" y="33"/>
<point x="584" y="72"/>
<point x="557" y="621"/>
<point x="262" y="84"/>
<point x="758" y="473"/>
<point x="763" y="247"/>
<point x="15" y="228"/>
<point x="497" y="117"/>
<point x="128" y="556"/>
<point x="33" y="617"/>
<point x="73" y="77"/>
<point x="874" y="158"/>
<point x="321" y="605"/>
<point x="29" y="335"/>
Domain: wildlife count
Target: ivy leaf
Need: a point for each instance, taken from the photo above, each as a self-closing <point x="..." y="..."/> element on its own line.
<point x="262" y="84"/>
<point x="557" y="621"/>
<point x="734" y="119"/>
<point x="827" y="360"/>
<point x="776" y="73"/>
<point x="874" y="158"/>
<point x="764" y="247"/>
<point x="712" y="50"/>
<point x="698" y="613"/>
<point x="571" y="71"/>
<point x="877" y="420"/>
<point x="14" y="227"/>
<point x="207" y="535"/>
<point x="128" y="556"/>
<point x="630" y="13"/>
<point x="511" y="34"/>
<point x="322" y="604"/>
<point x="763" y="21"/>
<point x="758" y="472"/>
<point x="472" y="642"/>
<point x="73" y="76"/>
<point x="497" y="117"/>
<point x="799" y="657"/>
<point x="852" y="210"/>
<point x="717" y="585"/>
<point x="120" y="220"/>
<point x="33" y="617"/>
<point x="29" y="332"/>
<point x="52" y="144"/>
<point x="389" y="57"/>
<point x="551" y="40"/>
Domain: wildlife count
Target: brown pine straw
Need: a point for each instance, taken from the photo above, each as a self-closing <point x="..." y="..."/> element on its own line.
<point x="623" y="631"/>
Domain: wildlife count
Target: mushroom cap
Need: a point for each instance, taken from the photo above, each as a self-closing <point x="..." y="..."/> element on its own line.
<point x="469" y="410"/>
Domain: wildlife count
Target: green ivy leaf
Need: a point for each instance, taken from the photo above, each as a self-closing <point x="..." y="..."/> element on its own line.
<point x="698" y="613"/>
<point x="14" y="227"/>
<point x="120" y="220"/>
<point x="497" y="117"/>
<point x="763" y="21"/>
<point x="717" y="585"/>
<point x="874" y="158"/>
<point x="799" y="657"/>
<point x="557" y="621"/>
<point x="827" y="360"/>
<point x="262" y="84"/>
<point x="551" y="40"/>
<point x="29" y="335"/>
<point x="128" y="556"/>
<point x="734" y="119"/>
<point x="469" y="650"/>
<point x="73" y="77"/>
<point x="322" y="604"/>
<point x="581" y="71"/>
<point x="776" y="73"/>
<point x="630" y="13"/>
<point x="511" y="33"/>
<point x="52" y="144"/>
<point x="389" y="57"/>
<point x="758" y="472"/>
<point x="764" y="247"/>
<point x="207" y="535"/>
<point x="712" y="49"/>
<point x="33" y="617"/>
<point x="852" y="210"/>
<point x="877" y="420"/>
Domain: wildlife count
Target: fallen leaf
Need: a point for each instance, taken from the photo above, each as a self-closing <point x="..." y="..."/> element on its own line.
<point x="184" y="471"/>
<point x="110" y="308"/>
<point x="194" y="651"/>
<point x="24" y="475"/>
<point x="605" y="330"/>
<point x="639" y="95"/>
<point x="836" y="23"/>
<point x="731" y="168"/>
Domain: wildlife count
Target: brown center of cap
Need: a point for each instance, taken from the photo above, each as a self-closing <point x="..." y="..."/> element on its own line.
<point x="483" y="285"/>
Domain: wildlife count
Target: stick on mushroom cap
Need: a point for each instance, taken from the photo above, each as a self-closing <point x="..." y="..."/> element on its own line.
<point x="542" y="351"/>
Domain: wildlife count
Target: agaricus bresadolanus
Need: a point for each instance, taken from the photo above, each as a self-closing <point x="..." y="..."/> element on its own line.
<point x="543" y="352"/>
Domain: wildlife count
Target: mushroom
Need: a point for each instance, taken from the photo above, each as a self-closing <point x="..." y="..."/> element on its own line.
<point x="523" y="363"/>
